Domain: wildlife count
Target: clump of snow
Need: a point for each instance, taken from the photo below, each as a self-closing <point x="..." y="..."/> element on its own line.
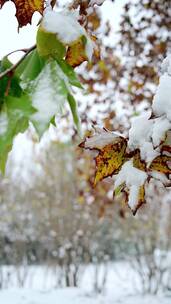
<point x="3" y="123"/>
<point x="162" y="99"/>
<point x="101" y="139"/>
<point x="166" y="65"/>
<point x="67" y="28"/>
<point x="160" y="127"/>
<point x="140" y="130"/>
<point x="140" y="136"/>
<point x="64" y="24"/>
<point x="146" y="134"/>
<point x="133" y="178"/>
<point x="98" y="2"/>
<point x="148" y="153"/>
<point x="48" y="97"/>
<point x="161" y="177"/>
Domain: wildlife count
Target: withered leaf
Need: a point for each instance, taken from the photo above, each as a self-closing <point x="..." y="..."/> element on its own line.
<point x="138" y="162"/>
<point x="140" y="199"/>
<point x="76" y="53"/>
<point x="111" y="147"/>
<point x="94" y="20"/>
<point x="25" y="9"/>
<point x="162" y="164"/>
<point x="109" y="160"/>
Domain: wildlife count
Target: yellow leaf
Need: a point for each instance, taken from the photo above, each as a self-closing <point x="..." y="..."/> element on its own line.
<point x="140" y="199"/>
<point x="138" y="162"/>
<point x="94" y="20"/>
<point x="25" y="9"/>
<point x="76" y="53"/>
<point x="161" y="164"/>
<point x="110" y="159"/>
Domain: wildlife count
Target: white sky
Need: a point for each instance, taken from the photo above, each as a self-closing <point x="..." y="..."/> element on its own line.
<point x="11" y="40"/>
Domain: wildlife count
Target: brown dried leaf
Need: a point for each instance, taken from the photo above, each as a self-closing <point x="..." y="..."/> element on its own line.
<point x="141" y="199"/>
<point x="111" y="156"/>
<point x="25" y="9"/>
<point x="161" y="164"/>
<point x="109" y="160"/>
<point x="94" y="20"/>
<point x="138" y="162"/>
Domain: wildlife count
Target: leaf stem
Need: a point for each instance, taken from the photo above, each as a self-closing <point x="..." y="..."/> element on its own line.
<point x="12" y="68"/>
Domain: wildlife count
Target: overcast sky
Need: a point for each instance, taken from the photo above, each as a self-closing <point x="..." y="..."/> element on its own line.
<point x="11" y="40"/>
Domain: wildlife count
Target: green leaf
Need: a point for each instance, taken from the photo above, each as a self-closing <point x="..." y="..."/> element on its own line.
<point x="31" y="67"/>
<point x="119" y="189"/>
<point x="49" y="93"/>
<point x="73" y="107"/>
<point x="70" y="73"/>
<point x="53" y="121"/>
<point x="20" y="69"/>
<point x="14" y="119"/>
<point x="6" y="63"/>
<point x="48" y="45"/>
<point x="8" y="85"/>
<point x="19" y="107"/>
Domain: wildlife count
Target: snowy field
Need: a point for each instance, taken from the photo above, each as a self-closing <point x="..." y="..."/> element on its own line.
<point x="121" y="288"/>
<point x="73" y="296"/>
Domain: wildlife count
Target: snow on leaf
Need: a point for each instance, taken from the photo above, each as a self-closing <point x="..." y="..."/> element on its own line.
<point x="140" y="137"/>
<point x="134" y="180"/>
<point x="148" y="153"/>
<point x="64" y="24"/>
<point x="162" y="99"/>
<point x="64" y="29"/>
<point x="25" y="9"/>
<point x="160" y="128"/>
<point x="97" y="2"/>
<point x="3" y="123"/>
<point x="160" y="177"/>
<point x="100" y="139"/>
<point x="111" y="154"/>
<point x="49" y="95"/>
<point x="135" y="205"/>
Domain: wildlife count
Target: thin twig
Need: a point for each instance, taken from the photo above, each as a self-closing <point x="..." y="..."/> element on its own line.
<point x="12" y="69"/>
<point x="19" y="50"/>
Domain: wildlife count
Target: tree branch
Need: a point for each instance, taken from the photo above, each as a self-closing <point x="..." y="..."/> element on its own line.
<point x="12" y="68"/>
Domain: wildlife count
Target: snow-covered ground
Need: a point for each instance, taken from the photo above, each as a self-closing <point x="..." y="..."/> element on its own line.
<point x="121" y="288"/>
<point x="73" y="296"/>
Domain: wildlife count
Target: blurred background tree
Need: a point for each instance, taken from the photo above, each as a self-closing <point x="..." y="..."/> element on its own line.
<point x="58" y="219"/>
